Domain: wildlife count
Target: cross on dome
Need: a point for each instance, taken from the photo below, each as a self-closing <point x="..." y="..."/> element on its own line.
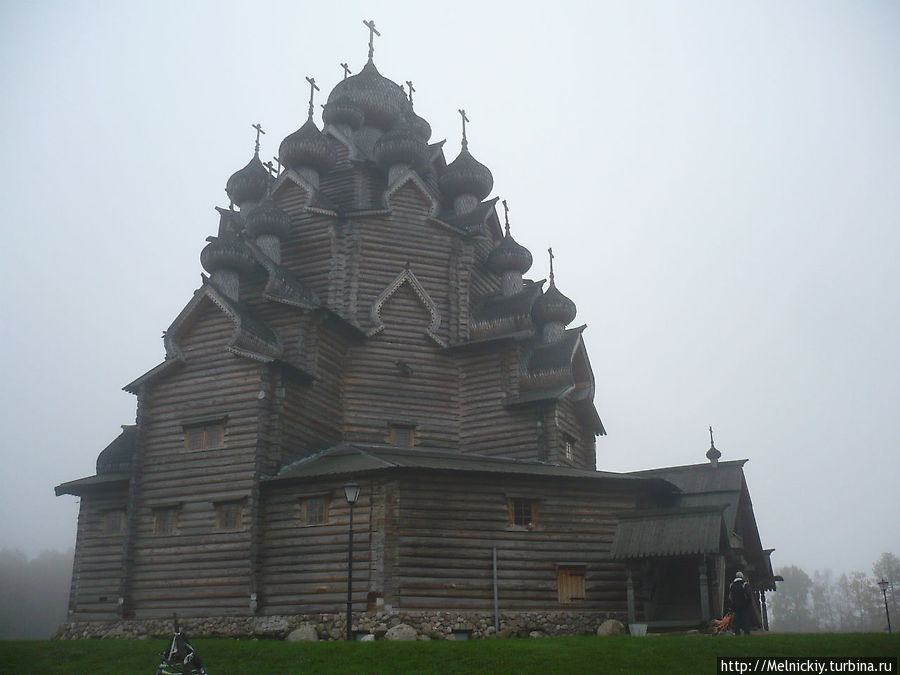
<point x="346" y="70"/>
<point x="411" y="90"/>
<point x="506" y="215"/>
<point x="465" y="119"/>
<point x="259" y="130"/>
<point x="313" y="88"/>
<point x="550" y="251"/>
<point x="370" y="24"/>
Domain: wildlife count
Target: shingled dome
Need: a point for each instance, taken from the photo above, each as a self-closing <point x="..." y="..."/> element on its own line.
<point x="226" y="253"/>
<point x="267" y="218"/>
<point x="466" y="175"/>
<point x="509" y="255"/>
<point x="401" y="145"/>
<point x="307" y="147"/>
<point x="553" y="306"/>
<point x="343" y="111"/>
<point x="381" y="101"/>
<point x="249" y="184"/>
<point x="419" y="125"/>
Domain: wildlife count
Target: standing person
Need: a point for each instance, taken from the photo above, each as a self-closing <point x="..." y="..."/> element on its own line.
<point x="740" y="601"/>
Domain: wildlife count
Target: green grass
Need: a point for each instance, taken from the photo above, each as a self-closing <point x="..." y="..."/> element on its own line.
<point x="663" y="654"/>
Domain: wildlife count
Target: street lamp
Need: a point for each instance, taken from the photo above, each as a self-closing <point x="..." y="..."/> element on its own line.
<point x="351" y="492"/>
<point x="883" y="585"/>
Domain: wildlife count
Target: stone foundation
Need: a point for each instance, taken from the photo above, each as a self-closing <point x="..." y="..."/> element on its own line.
<point x="428" y="625"/>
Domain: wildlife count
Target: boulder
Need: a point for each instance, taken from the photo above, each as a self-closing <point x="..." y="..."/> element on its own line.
<point x="367" y="638"/>
<point x="401" y="631"/>
<point x="305" y="632"/>
<point x="611" y="627"/>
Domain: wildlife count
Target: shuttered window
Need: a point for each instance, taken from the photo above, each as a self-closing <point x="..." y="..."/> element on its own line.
<point x="570" y="582"/>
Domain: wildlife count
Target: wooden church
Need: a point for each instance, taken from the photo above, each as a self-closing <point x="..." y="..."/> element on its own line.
<point x="366" y="318"/>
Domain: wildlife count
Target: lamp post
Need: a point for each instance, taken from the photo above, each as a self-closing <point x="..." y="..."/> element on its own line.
<point x="883" y="585"/>
<point x="351" y="492"/>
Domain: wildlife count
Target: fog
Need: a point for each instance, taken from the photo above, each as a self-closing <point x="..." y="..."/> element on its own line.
<point x="718" y="180"/>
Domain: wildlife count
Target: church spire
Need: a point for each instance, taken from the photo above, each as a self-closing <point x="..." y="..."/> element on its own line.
<point x="713" y="453"/>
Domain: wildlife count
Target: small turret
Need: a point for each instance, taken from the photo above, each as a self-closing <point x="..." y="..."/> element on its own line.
<point x="307" y="150"/>
<point x="466" y="181"/>
<point x="509" y="260"/>
<point x="268" y="225"/>
<point x="713" y="453"/>
<point x="553" y="311"/>
<point x="226" y="257"/>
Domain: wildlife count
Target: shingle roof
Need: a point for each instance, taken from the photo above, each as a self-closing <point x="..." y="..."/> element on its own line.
<point x="356" y="458"/>
<point x="82" y="485"/>
<point x="670" y="532"/>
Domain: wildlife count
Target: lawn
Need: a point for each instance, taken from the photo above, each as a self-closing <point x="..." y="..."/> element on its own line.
<point x="662" y="654"/>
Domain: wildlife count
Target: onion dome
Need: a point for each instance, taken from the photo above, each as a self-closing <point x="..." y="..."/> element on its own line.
<point x="226" y="252"/>
<point x="466" y="175"/>
<point x="249" y="184"/>
<point x="713" y="454"/>
<point x="401" y="145"/>
<point x="342" y="111"/>
<point x="267" y="218"/>
<point x="307" y="147"/>
<point x="419" y="125"/>
<point x="553" y="307"/>
<point x="381" y="101"/>
<point x="509" y="256"/>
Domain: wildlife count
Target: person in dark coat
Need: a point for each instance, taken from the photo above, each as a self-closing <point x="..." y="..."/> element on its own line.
<point x="741" y="603"/>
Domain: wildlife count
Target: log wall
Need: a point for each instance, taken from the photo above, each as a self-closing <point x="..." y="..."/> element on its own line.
<point x="447" y="529"/>
<point x="97" y="569"/>
<point x="167" y="567"/>
<point x="304" y="567"/>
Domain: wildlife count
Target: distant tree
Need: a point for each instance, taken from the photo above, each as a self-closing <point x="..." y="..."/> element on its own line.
<point x="887" y="567"/>
<point x="824" y="609"/>
<point x="792" y="605"/>
<point x="34" y="593"/>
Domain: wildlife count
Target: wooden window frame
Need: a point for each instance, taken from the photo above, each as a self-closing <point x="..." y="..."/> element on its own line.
<point x="568" y="448"/>
<point x="163" y="527"/>
<point x="223" y="523"/>
<point x="517" y="507"/>
<point x="571" y="577"/>
<point x="304" y="503"/>
<point x="408" y="431"/>
<point x="110" y="527"/>
<point x="211" y="430"/>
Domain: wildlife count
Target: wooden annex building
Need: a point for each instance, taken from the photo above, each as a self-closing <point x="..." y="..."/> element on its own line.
<point x="366" y="317"/>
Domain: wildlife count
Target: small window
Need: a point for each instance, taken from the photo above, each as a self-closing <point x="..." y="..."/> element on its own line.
<point x="569" y="448"/>
<point x="570" y="582"/>
<point x="114" y="521"/>
<point x="403" y="435"/>
<point x="165" y="520"/>
<point x="204" y="436"/>
<point x="314" y="510"/>
<point x="230" y="515"/>
<point x="522" y="512"/>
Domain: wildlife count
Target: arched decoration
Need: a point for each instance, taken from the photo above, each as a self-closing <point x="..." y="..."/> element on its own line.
<point x="407" y="277"/>
<point x="410" y="176"/>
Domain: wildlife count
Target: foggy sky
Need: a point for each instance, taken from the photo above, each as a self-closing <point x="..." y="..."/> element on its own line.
<point x="718" y="180"/>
